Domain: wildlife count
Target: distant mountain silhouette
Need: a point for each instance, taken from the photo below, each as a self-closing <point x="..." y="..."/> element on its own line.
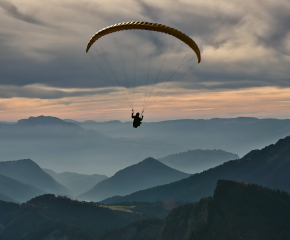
<point x="56" y="144"/>
<point x="3" y="122"/>
<point x="16" y="191"/>
<point x="45" y="120"/>
<point x="268" y="167"/>
<point x="92" y="122"/>
<point x="198" y="160"/>
<point x="148" y="173"/>
<point x="77" y="183"/>
<point x="29" y="172"/>
<point x="236" y="211"/>
<point x="239" y="135"/>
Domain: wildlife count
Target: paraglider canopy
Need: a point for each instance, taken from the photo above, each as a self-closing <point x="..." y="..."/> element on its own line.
<point x="146" y="26"/>
<point x="145" y="56"/>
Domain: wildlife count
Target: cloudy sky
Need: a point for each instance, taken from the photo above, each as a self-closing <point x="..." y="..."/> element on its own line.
<point x="244" y="71"/>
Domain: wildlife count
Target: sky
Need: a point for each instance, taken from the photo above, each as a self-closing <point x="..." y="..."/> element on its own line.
<point x="244" y="68"/>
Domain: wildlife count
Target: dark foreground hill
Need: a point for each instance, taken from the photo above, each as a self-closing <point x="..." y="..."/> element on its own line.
<point x="142" y="230"/>
<point x="29" y="172"/>
<point x="236" y="211"/>
<point x="77" y="183"/>
<point x="12" y="190"/>
<point x="59" y="218"/>
<point x="148" y="173"/>
<point x="268" y="167"/>
<point x="194" y="161"/>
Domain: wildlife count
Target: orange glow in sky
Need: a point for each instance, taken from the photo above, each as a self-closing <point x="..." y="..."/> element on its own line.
<point x="265" y="102"/>
<point x="244" y="69"/>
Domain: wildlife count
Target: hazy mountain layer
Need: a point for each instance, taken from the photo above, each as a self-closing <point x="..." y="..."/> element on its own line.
<point x="6" y="198"/>
<point x="62" y="146"/>
<point x="195" y="161"/>
<point x="77" y="183"/>
<point x="29" y="172"/>
<point x="16" y="191"/>
<point x="148" y="173"/>
<point x="238" y="135"/>
<point x="268" y="167"/>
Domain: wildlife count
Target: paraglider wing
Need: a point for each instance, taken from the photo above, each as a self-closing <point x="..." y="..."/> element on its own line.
<point x="146" y="26"/>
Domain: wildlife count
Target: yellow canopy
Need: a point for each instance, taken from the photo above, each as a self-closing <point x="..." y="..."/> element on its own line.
<point x="146" y="26"/>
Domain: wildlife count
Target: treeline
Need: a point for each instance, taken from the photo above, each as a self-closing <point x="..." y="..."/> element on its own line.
<point x="61" y="216"/>
<point x="236" y="211"/>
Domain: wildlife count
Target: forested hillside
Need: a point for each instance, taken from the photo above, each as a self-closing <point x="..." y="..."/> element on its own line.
<point x="48" y="215"/>
<point x="236" y="211"/>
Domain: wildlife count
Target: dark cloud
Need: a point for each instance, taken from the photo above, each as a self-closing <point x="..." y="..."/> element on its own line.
<point x="63" y="65"/>
<point x="42" y="92"/>
<point x="150" y="11"/>
<point x="194" y="20"/>
<point x="14" y="12"/>
<point x="278" y="19"/>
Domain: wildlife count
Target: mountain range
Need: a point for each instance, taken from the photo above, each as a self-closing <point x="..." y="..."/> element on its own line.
<point x="147" y="173"/>
<point x="268" y="167"/>
<point x="238" y="135"/>
<point x="62" y="146"/>
<point x="222" y="209"/>
<point x="104" y="148"/>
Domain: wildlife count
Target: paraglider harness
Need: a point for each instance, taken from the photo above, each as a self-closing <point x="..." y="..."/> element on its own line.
<point x="137" y="120"/>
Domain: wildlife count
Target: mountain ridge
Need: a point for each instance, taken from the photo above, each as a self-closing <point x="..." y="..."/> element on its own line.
<point x="17" y="191"/>
<point x="239" y="135"/>
<point x="265" y="167"/>
<point x="27" y="171"/>
<point x="44" y="120"/>
<point x="149" y="172"/>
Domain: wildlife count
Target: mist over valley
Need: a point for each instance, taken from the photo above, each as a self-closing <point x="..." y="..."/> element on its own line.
<point x="148" y="198"/>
